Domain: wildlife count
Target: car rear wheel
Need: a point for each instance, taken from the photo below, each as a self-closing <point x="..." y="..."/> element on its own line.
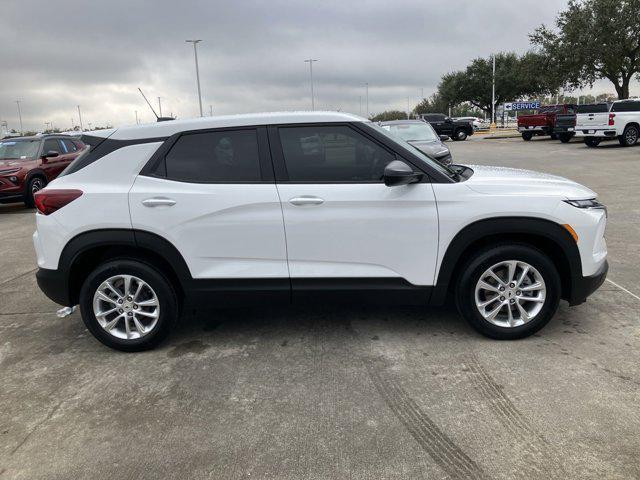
<point x="34" y="185"/>
<point x="526" y="136"/>
<point x="460" y="135"/>
<point x="553" y="136"/>
<point x="565" y="137"/>
<point x="629" y="137"/>
<point x="128" y="305"/>
<point x="591" y="142"/>
<point x="508" y="291"/>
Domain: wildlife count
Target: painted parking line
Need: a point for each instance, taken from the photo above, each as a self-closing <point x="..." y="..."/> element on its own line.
<point x="623" y="289"/>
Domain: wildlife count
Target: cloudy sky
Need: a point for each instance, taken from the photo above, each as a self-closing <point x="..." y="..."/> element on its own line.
<point x="56" y="55"/>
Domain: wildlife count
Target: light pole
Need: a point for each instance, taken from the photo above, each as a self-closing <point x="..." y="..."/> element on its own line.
<point x="20" y="117"/>
<point x="136" y="112"/>
<point x="310" y="62"/>
<point x="160" y="106"/>
<point x="360" y="109"/>
<point x="80" y="118"/>
<point x="211" y="110"/>
<point x="493" y="93"/>
<point x="366" y="85"/>
<point x="408" y="99"/>
<point x="195" y="54"/>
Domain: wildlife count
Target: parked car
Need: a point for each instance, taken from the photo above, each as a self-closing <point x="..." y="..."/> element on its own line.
<point x="443" y="125"/>
<point x="619" y="120"/>
<point x="422" y="136"/>
<point x="544" y="121"/>
<point x="161" y="218"/>
<point x="476" y="122"/>
<point x="565" y="125"/>
<point x="27" y="164"/>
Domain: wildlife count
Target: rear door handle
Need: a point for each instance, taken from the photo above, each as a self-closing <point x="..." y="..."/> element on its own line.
<point x="159" y="202"/>
<point x="306" y="200"/>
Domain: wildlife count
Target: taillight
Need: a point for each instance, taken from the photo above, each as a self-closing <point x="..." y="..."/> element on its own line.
<point x="49" y="200"/>
<point x="611" y="118"/>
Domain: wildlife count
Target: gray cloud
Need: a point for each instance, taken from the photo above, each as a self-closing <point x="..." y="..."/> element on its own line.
<point x="57" y="55"/>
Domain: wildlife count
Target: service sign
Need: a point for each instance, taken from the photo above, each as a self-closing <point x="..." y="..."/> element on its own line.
<point x="514" y="106"/>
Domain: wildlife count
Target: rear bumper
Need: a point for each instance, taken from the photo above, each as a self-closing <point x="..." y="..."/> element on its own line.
<point x="54" y="285"/>
<point x="533" y="129"/>
<point x="600" y="133"/>
<point x="582" y="287"/>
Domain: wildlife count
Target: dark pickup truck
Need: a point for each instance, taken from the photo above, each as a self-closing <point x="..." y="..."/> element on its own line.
<point x="545" y="122"/>
<point x="443" y="125"/>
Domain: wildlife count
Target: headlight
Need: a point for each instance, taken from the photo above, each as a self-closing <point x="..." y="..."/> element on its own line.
<point x="588" y="203"/>
<point x="9" y="171"/>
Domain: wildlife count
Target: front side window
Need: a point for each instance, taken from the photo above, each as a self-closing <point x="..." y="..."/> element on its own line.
<point x="332" y="154"/>
<point x="213" y="157"/>
<point x="51" y="145"/>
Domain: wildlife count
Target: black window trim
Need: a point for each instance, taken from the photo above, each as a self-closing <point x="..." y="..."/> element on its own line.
<point x="156" y="166"/>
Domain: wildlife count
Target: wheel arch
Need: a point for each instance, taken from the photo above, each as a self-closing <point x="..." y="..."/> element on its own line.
<point x="36" y="172"/>
<point x="548" y="236"/>
<point x="87" y="250"/>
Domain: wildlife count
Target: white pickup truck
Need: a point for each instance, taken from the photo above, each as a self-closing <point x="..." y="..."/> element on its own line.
<point x="602" y="121"/>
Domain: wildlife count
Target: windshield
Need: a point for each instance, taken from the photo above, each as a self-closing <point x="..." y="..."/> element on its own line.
<point x="413" y="132"/>
<point x="425" y="158"/>
<point x="551" y="109"/>
<point x="19" y="149"/>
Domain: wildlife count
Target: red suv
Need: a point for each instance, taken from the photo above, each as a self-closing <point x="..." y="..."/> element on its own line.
<point x="27" y="164"/>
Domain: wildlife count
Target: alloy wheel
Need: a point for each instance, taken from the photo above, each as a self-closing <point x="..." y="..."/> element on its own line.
<point x="510" y="293"/>
<point x="126" y="307"/>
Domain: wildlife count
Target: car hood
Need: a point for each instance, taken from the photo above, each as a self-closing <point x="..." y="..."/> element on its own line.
<point x="513" y="181"/>
<point x="432" y="148"/>
<point x="6" y="164"/>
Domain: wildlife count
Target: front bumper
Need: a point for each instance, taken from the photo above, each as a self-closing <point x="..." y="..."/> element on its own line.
<point x="54" y="285"/>
<point x="582" y="287"/>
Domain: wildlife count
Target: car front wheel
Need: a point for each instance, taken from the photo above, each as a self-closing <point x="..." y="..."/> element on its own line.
<point x="508" y="291"/>
<point x="460" y="135"/>
<point x="128" y="305"/>
<point x="34" y="185"/>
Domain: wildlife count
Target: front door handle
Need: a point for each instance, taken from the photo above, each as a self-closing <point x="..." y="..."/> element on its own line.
<point x="159" y="202"/>
<point x="306" y="200"/>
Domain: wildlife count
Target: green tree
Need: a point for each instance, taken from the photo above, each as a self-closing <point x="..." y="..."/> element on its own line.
<point x="389" y="115"/>
<point x="517" y="77"/>
<point x="594" y="39"/>
<point x="434" y="104"/>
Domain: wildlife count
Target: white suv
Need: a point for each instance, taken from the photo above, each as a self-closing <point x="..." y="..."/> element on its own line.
<point x="300" y="207"/>
<point x="619" y="120"/>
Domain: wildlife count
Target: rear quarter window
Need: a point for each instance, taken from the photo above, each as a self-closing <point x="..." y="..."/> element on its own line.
<point x="626" y="107"/>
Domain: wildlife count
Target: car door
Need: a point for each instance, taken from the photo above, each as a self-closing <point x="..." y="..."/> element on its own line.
<point x="213" y="196"/>
<point x="346" y="230"/>
<point x="51" y="165"/>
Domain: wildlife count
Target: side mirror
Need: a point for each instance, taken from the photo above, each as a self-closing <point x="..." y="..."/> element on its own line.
<point x="399" y="173"/>
<point x="444" y="137"/>
<point x="50" y="154"/>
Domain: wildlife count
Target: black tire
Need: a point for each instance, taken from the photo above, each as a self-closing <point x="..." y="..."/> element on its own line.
<point x="565" y="137"/>
<point x="460" y="135"/>
<point x="477" y="265"/>
<point x="526" y="136"/>
<point x="553" y="136"/>
<point x="630" y="136"/>
<point x="33" y="185"/>
<point x="591" y="142"/>
<point x="164" y="290"/>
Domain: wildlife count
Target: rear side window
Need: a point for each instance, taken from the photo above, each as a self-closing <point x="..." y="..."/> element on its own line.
<point x="626" y="107"/>
<point x="593" y="108"/>
<point x="327" y="154"/>
<point x="229" y="156"/>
